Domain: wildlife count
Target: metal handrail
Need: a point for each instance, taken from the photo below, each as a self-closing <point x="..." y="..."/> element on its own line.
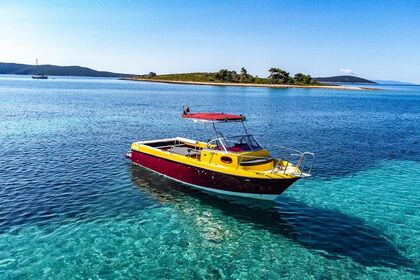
<point x="221" y="142"/>
<point x="302" y="159"/>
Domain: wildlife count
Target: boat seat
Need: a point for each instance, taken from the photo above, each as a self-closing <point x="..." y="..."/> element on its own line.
<point x="257" y="161"/>
<point x="184" y="151"/>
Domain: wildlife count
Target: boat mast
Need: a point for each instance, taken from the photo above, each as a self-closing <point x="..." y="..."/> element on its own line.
<point x="36" y="66"/>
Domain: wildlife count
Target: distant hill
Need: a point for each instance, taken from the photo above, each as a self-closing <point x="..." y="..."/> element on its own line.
<point x="392" y="82"/>
<point x="344" y="79"/>
<point x="55" y="70"/>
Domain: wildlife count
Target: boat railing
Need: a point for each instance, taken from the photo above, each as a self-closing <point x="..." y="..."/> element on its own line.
<point x="303" y="161"/>
<point x="300" y="163"/>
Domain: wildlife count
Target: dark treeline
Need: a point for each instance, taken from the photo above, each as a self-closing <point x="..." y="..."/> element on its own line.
<point x="276" y="76"/>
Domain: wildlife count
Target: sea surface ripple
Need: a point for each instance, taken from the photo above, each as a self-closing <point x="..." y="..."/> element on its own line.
<point x="72" y="207"/>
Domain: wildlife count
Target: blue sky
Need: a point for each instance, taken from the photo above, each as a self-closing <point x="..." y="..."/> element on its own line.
<point x="373" y="39"/>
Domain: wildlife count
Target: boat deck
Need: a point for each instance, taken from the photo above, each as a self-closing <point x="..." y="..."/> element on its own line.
<point x="180" y="146"/>
<point x="184" y="151"/>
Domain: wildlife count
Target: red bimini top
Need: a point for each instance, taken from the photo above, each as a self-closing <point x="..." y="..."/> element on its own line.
<point x="214" y="117"/>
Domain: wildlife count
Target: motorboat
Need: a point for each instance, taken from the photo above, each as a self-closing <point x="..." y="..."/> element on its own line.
<point x="228" y="165"/>
<point x="39" y="76"/>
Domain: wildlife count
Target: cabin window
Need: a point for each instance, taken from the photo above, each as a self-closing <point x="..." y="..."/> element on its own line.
<point x="226" y="159"/>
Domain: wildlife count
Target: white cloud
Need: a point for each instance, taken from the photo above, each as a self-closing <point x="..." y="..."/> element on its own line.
<point x="346" y="71"/>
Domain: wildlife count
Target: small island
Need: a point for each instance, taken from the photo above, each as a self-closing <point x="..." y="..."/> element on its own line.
<point x="277" y="78"/>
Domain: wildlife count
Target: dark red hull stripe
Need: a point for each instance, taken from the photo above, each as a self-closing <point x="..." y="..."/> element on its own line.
<point x="210" y="179"/>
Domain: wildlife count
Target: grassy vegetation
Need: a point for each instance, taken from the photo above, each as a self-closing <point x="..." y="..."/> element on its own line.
<point x="192" y="77"/>
<point x="277" y="76"/>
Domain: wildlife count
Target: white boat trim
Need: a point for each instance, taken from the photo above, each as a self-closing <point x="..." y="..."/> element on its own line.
<point x="168" y="139"/>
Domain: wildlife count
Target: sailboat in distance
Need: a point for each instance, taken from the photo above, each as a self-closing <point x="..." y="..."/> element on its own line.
<point x="36" y="75"/>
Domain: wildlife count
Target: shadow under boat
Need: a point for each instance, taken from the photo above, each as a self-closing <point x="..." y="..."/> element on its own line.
<point x="326" y="232"/>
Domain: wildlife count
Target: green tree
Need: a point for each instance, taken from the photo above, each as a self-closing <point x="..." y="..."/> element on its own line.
<point x="225" y="75"/>
<point x="244" y="76"/>
<point x="304" y="79"/>
<point x="299" y="77"/>
<point x="221" y="75"/>
<point x="233" y="77"/>
<point x="279" y="76"/>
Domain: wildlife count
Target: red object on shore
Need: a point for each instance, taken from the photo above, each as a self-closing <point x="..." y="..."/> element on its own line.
<point x="214" y="117"/>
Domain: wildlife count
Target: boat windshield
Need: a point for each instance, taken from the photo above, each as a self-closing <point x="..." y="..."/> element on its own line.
<point x="239" y="143"/>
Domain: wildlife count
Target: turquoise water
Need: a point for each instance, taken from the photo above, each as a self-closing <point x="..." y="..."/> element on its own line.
<point x="71" y="205"/>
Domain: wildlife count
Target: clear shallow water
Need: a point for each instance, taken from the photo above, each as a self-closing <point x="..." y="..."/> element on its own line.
<point x="72" y="206"/>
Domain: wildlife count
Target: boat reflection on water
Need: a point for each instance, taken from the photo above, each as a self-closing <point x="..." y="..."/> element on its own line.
<point x="327" y="232"/>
